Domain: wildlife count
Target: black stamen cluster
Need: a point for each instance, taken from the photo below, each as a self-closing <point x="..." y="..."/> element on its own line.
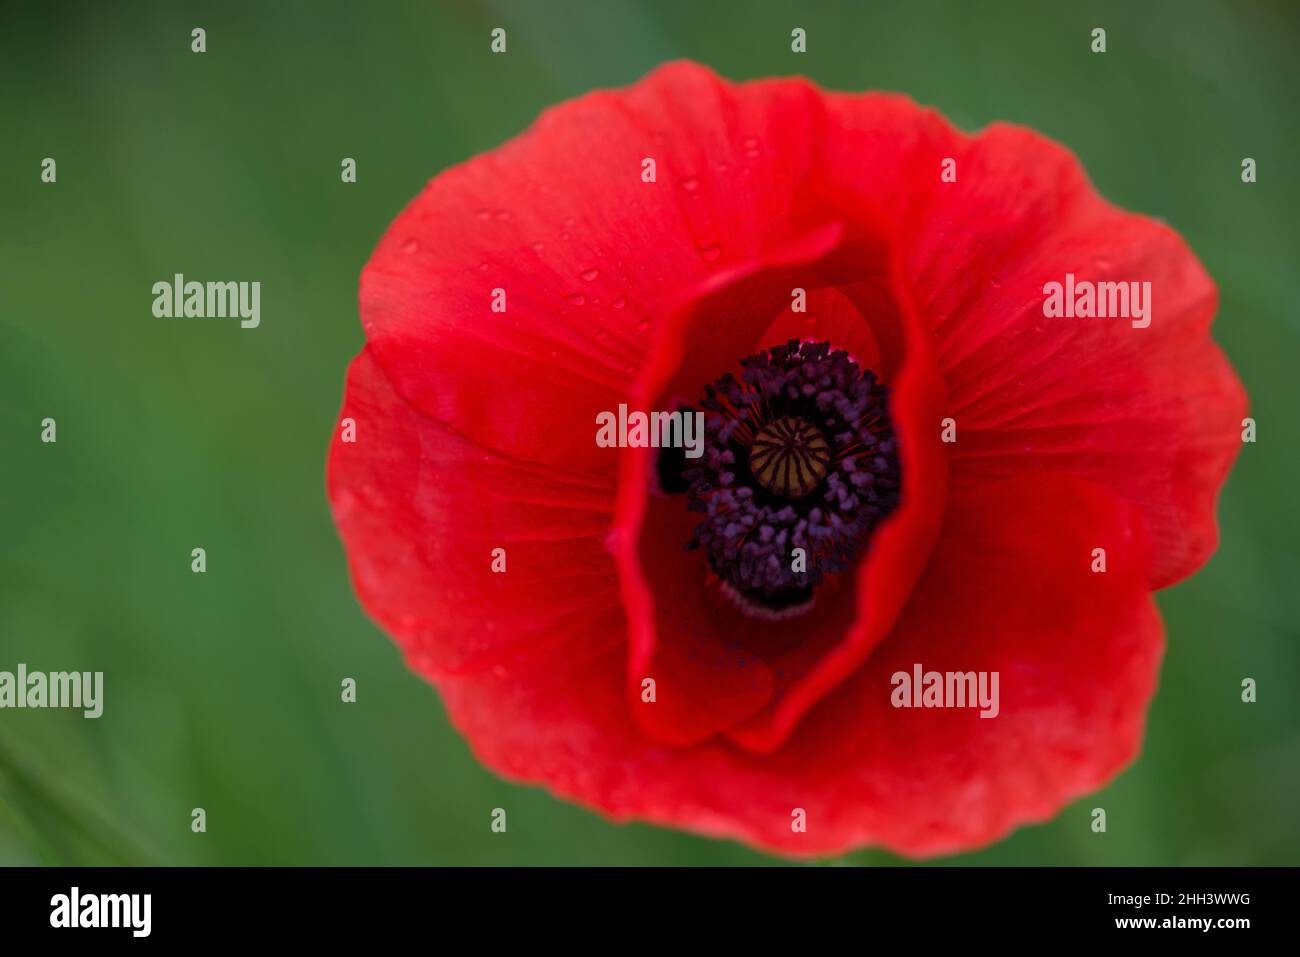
<point x="750" y="532"/>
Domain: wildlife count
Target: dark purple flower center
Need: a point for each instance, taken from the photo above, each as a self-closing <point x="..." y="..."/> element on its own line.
<point x="800" y="465"/>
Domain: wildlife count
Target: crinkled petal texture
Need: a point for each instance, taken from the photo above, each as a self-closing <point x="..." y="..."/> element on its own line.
<point x="632" y="246"/>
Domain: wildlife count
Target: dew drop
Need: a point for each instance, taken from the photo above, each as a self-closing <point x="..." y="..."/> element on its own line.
<point x="483" y="213"/>
<point x="995" y="282"/>
<point x="590" y="274"/>
<point x="690" y="184"/>
<point x="711" y="252"/>
<point x="643" y="325"/>
<point x="619" y="303"/>
<point x="577" y="298"/>
<point x="502" y="214"/>
<point x="411" y="246"/>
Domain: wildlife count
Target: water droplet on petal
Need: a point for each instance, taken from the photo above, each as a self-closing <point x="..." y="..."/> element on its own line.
<point x="690" y="184"/>
<point x="502" y="214"/>
<point x="995" y="282"/>
<point x="643" y="325"/>
<point x="411" y="246"/>
<point x="483" y="213"/>
<point x="619" y="303"/>
<point x="711" y="252"/>
<point x="577" y="298"/>
<point x="590" y="274"/>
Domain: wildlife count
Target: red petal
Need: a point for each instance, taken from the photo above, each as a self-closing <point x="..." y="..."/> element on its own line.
<point x="421" y="509"/>
<point x="1009" y="588"/>
<point x="674" y="627"/>
<point x="560" y="219"/>
<point x="1152" y="413"/>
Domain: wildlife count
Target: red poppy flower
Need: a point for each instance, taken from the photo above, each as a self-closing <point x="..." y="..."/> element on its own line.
<point x="949" y="455"/>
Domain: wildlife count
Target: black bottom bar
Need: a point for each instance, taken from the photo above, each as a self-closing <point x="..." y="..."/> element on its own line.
<point x="734" y="906"/>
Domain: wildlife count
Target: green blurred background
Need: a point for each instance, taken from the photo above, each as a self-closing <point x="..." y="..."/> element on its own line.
<point x="222" y="689"/>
